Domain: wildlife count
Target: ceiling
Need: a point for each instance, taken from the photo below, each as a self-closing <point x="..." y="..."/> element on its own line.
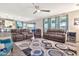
<point x="25" y="10"/>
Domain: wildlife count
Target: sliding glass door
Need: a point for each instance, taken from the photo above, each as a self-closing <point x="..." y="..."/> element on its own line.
<point x="57" y="22"/>
<point x="24" y="25"/>
<point x="63" y="22"/>
<point x="53" y="23"/>
<point x="31" y="26"/>
<point x="46" y="24"/>
<point x="19" y="24"/>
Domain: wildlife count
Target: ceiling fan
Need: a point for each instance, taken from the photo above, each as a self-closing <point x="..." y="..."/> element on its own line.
<point x="38" y="9"/>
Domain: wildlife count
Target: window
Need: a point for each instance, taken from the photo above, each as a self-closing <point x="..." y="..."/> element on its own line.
<point x="31" y="26"/>
<point x="19" y="24"/>
<point x="53" y="23"/>
<point x="57" y="22"/>
<point x="8" y="25"/>
<point x="63" y="20"/>
<point x="1" y="23"/>
<point x="46" y="24"/>
<point x="24" y="26"/>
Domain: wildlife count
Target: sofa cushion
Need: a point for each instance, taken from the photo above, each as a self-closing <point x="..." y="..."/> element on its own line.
<point x="63" y="34"/>
<point x="25" y="33"/>
<point x="55" y="35"/>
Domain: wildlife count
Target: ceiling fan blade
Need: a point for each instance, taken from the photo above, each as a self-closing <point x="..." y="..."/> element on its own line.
<point x="35" y="12"/>
<point x="45" y="10"/>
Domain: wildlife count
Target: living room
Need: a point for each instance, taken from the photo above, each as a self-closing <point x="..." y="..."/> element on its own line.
<point x="45" y="29"/>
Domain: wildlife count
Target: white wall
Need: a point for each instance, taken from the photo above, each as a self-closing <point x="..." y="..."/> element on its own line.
<point x="72" y="27"/>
